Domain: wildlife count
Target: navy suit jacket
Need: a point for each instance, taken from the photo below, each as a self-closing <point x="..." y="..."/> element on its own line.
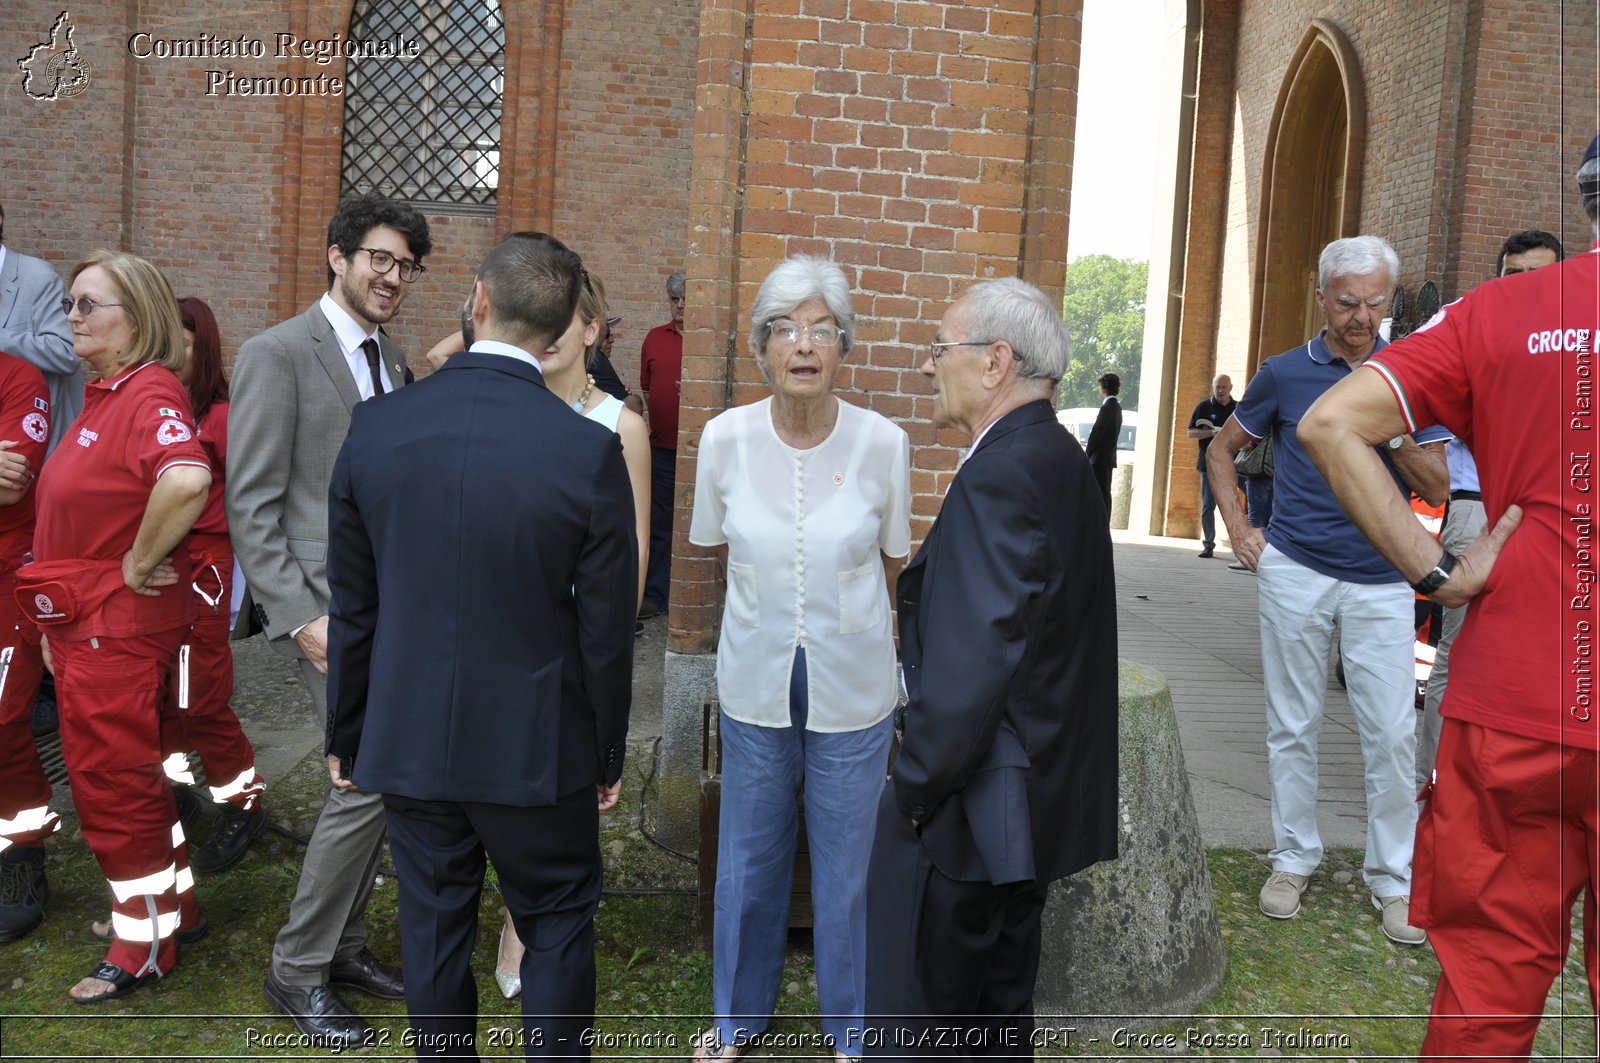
<point x="1101" y="446"/>
<point x="1008" y="636"/>
<point x="483" y="565"/>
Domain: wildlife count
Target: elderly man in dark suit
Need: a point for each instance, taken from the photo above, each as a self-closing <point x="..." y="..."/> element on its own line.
<point x="1007" y="773"/>
<point x="484" y="569"/>
<point x="1101" y="447"/>
<point x="292" y="392"/>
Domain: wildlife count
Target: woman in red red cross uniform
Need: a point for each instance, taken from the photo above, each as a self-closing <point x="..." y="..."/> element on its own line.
<point x="25" y="816"/>
<point x="199" y="716"/>
<point x="110" y="587"/>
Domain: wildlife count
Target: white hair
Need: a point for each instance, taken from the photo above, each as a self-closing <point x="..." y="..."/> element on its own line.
<point x="1589" y="178"/>
<point x="793" y="281"/>
<point x="1015" y="311"/>
<point x="1357" y="256"/>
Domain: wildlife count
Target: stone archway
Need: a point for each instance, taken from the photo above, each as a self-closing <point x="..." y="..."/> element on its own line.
<point x="1311" y="185"/>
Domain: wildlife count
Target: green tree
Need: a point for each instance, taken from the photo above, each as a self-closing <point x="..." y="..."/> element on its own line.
<point x="1104" y="311"/>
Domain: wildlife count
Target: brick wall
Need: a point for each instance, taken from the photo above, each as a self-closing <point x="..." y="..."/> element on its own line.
<point x="895" y="139"/>
<point x="1476" y="115"/>
<point x="231" y="196"/>
<point x="627" y="91"/>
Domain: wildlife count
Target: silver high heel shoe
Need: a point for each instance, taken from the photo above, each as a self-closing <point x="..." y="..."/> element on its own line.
<point x="510" y="982"/>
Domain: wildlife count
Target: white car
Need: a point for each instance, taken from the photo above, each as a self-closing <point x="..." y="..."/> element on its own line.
<point x="1080" y="422"/>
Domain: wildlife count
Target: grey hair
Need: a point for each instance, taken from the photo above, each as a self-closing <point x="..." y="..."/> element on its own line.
<point x="1356" y="256"/>
<point x="1588" y="181"/>
<point x="1013" y="310"/>
<point x="677" y="283"/>
<point x="792" y="282"/>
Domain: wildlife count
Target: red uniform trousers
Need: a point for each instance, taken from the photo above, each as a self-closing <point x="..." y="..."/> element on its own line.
<point x="25" y="816"/>
<point x="1509" y="837"/>
<point x="207" y="724"/>
<point x="111" y="691"/>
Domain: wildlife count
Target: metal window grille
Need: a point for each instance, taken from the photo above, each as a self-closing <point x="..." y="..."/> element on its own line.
<point x="427" y="129"/>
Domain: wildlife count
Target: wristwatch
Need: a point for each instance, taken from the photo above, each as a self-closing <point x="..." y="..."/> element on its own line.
<point x="1395" y="443"/>
<point x="1436" y="579"/>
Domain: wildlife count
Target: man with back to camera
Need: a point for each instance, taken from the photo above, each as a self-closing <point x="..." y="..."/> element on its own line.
<point x="481" y="652"/>
<point x="1006" y="779"/>
<point x="1101" y="447"/>
<point x="292" y="391"/>
<point x="660" y="373"/>
<point x="1210" y="414"/>
<point x="1463" y="519"/>
<point x="1316" y="573"/>
<point x="1511" y="819"/>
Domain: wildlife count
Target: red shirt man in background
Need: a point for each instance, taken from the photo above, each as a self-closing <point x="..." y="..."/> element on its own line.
<point x="660" y="371"/>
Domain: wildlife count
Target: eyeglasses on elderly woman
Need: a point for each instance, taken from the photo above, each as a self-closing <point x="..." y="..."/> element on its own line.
<point x="822" y="333"/>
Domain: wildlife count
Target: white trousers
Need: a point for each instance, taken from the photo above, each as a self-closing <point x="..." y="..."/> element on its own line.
<point x="1300" y="609"/>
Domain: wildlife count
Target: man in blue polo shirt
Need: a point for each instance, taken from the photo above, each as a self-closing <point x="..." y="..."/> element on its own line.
<point x="1317" y="573"/>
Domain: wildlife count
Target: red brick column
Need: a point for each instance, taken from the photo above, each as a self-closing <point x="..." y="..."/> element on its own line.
<point x="922" y="146"/>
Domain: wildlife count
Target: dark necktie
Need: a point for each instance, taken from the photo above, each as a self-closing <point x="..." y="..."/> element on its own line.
<point x="369" y="347"/>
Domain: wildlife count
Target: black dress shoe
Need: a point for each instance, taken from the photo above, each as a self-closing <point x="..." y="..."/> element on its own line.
<point x="229" y="840"/>
<point x="317" y="1012"/>
<point x="365" y="972"/>
<point x="1206" y="552"/>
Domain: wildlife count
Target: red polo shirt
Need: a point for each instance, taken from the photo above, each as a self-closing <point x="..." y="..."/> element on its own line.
<point x="25" y="420"/>
<point x="1509" y="367"/>
<point x="660" y="371"/>
<point x="213" y="436"/>
<point x="94" y="490"/>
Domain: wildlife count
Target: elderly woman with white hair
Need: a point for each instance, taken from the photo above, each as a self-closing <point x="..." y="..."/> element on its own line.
<point x="806" y="499"/>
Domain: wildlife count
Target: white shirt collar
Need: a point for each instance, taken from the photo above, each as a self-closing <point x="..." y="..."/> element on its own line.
<point x="351" y="336"/>
<point x="505" y="350"/>
<point x="2" y="256"/>
<point x="350" y="333"/>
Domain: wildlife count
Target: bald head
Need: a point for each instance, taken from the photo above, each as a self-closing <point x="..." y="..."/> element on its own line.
<point x="1221" y="387"/>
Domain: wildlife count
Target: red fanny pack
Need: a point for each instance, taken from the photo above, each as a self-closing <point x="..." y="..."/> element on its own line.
<point x="60" y="592"/>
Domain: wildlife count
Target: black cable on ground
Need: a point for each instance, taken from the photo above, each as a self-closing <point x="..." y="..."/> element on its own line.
<point x="655" y="762"/>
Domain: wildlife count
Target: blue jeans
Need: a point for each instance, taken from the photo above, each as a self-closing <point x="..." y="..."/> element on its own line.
<point x="762" y="770"/>
<point x="1208" y="506"/>
<point x="658" y="570"/>
<point x="1258" y="500"/>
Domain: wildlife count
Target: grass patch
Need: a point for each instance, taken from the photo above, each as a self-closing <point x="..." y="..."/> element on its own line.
<point x="1329" y="973"/>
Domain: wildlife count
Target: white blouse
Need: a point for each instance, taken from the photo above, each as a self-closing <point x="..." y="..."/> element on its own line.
<point x="805" y="531"/>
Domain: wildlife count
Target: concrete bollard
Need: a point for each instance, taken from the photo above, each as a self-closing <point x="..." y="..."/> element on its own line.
<point x="1136" y="939"/>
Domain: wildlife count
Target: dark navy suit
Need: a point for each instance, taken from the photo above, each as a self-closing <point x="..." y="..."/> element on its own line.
<point x="1101" y="446"/>
<point x="483" y="569"/>
<point x="1008" y="761"/>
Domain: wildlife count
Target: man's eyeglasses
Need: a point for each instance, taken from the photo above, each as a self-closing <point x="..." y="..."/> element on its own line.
<point x="936" y="350"/>
<point x="822" y="334"/>
<point x="85" y="305"/>
<point x="382" y="262"/>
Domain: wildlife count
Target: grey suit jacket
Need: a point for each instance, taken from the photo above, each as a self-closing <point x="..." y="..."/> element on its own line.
<point x="288" y="413"/>
<point x="33" y="328"/>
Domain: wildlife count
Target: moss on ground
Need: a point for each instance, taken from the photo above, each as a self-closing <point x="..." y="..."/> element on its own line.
<point x="1330" y="972"/>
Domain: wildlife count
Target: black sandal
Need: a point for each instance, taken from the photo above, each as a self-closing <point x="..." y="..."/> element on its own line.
<point x="122" y="982"/>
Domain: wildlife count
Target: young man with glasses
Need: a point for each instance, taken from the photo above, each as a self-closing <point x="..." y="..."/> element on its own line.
<point x="292" y="392"/>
